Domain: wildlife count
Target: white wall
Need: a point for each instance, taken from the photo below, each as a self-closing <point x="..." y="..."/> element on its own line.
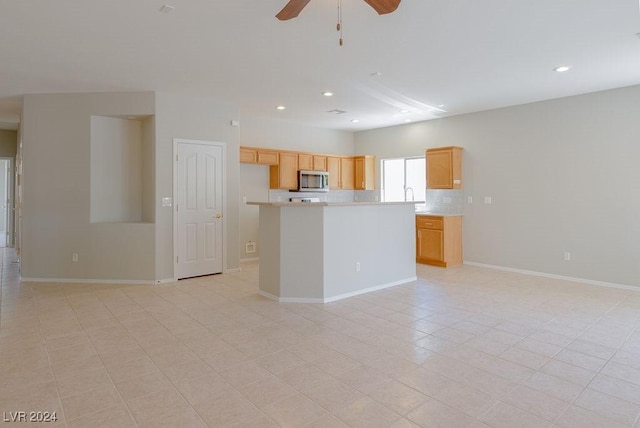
<point x="254" y="179"/>
<point x="254" y="186"/>
<point x="562" y="175"/>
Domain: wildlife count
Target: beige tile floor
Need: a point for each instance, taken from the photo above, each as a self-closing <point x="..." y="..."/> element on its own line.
<point x="461" y="347"/>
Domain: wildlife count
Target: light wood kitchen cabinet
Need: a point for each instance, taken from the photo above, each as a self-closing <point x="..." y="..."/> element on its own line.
<point x="305" y="161"/>
<point x="347" y="175"/>
<point x="319" y="163"/>
<point x="248" y="155"/>
<point x="439" y="240"/>
<point x="285" y="174"/>
<point x="333" y="168"/>
<point x="268" y="157"/>
<point x="364" y="178"/>
<point x="444" y="168"/>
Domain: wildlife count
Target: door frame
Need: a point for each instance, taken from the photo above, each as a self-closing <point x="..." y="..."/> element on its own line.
<point x="223" y="146"/>
<point x="10" y="212"/>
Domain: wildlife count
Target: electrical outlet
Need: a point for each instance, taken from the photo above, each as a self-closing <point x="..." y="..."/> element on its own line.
<point x="487" y="200"/>
<point x="469" y="199"/>
<point x="357" y="266"/>
<point x="567" y="256"/>
<point x="74" y="257"/>
<point x="250" y="247"/>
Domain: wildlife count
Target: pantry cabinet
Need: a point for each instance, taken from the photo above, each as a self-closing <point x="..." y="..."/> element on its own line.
<point x="439" y="240"/>
<point x="444" y="168"/>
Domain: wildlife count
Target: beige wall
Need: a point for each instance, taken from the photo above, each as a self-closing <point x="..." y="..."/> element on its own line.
<point x="563" y="176"/>
<point x="196" y="118"/>
<point x="8" y="143"/>
<point x="55" y="217"/>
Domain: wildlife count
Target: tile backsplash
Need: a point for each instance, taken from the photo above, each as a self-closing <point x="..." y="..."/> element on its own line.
<point x="444" y="201"/>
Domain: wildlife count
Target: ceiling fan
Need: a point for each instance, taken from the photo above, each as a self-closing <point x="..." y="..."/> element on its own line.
<point x="294" y="7"/>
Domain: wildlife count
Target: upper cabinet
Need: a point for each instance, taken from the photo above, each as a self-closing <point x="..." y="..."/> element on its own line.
<point x="305" y="161"/>
<point x="333" y="168"/>
<point x="345" y="172"/>
<point x="285" y="174"/>
<point x="319" y="163"/>
<point x="248" y="155"/>
<point x="444" y="168"/>
<point x="364" y="172"/>
<point x="261" y="156"/>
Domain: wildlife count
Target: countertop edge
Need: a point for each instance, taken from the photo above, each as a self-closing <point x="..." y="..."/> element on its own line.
<point x="434" y="214"/>
<point x="330" y="204"/>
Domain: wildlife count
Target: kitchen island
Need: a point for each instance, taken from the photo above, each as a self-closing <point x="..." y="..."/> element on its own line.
<point x="322" y="252"/>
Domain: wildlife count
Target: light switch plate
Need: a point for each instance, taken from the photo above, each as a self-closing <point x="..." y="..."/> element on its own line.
<point x="167" y="202"/>
<point x="487" y="200"/>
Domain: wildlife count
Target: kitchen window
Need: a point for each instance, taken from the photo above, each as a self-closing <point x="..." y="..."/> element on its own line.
<point x="403" y="179"/>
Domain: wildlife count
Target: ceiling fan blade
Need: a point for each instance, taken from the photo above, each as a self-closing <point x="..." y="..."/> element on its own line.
<point x="383" y="6"/>
<point x="292" y="9"/>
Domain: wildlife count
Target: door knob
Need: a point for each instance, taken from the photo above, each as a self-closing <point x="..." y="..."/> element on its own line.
<point x="217" y="216"/>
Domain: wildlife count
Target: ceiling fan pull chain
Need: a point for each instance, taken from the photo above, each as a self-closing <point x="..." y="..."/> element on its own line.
<point x="339" y="26"/>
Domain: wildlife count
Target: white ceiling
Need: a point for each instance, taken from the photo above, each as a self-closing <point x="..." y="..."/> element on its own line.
<point x="468" y="55"/>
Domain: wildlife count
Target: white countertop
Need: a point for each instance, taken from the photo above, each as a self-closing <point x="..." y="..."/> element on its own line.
<point x="329" y="204"/>
<point x="435" y="214"/>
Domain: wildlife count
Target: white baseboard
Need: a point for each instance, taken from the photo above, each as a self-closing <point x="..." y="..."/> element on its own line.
<point x="252" y="259"/>
<point x="554" y="276"/>
<point x="335" y="298"/>
<point x="95" y="281"/>
<point x="233" y="270"/>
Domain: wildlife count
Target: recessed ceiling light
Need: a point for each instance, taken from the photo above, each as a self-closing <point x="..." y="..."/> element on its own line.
<point x="407" y="120"/>
<point x="404" y="111"/>
<point x="167" y="8"/>
<point x="562" y="68"/>
<point x="327" y="94"/>
<point x="281" y="108"/>
<point x="355" y="120"/>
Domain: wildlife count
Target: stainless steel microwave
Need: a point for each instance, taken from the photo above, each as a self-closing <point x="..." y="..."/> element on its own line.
<point x="313" y="181"/>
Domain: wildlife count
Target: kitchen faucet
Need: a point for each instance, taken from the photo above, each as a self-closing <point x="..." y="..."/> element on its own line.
<point x="405" y="193"/>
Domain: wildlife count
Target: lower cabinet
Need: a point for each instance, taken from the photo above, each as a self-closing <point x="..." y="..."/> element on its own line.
<point x="439" y="240"/>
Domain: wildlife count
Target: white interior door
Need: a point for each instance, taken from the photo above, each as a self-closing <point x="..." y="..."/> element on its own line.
<point x="199" y="209"/>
